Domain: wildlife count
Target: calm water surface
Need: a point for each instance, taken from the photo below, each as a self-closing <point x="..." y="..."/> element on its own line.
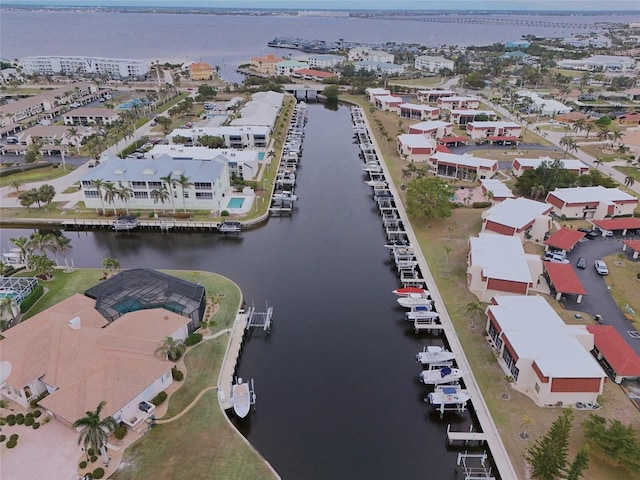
<point x="338" y="395"/>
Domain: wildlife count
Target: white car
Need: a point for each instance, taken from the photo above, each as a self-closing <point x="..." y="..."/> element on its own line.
<point x="607" y="233"/>
<point x="555" y="257"/>
<point x="601" y="267"/>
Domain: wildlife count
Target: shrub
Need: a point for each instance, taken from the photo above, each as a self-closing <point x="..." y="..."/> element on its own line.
<point x="159" y="398"/>
<point x="14" y="437"/>
<point x="11" y="444"/>
<point x="3" y="421"/>
<point x="37" y="413"/>
<point x="30" y="299"/>
<point x="82" y="464"/>
<point x="193" y="339"/>
<point x="11" y="416"/>
<point x="91" y="452"/>
<point x="177" y="375"/>
<point x="20" y="416"/>
<point x="120" y="432"/>
<point x="98" y="473"/>
<point x="224" y="213"/>
<point x="480" y="204"/>
<point x="36" y="425"/>
<point x="11" y="422"/>
<point x="93" y="459"/>
<point x="19" y="420"/>
<point x="2" y="438"/>
<point x="28" y="421"/>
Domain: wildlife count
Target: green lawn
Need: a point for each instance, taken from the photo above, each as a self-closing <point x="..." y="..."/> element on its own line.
<point x="633" y="172"/>
<point x="37" y="175"/>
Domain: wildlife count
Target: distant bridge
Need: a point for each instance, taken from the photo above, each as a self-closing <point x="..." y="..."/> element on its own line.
<point x="494" y="20"/>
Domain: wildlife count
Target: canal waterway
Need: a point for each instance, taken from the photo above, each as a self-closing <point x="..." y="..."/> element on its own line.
<point x="336" y="381"/>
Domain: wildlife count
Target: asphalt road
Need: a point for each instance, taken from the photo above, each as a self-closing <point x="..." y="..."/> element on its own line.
<point x="599" y="300"/>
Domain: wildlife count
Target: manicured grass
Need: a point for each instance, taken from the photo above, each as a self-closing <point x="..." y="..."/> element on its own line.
<point x="633" y="172"/>
<point x="622" y="280"/>
<point x="37" y="175"/>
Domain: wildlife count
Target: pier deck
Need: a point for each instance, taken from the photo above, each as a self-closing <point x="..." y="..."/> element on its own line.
<point x="228" y="369"/>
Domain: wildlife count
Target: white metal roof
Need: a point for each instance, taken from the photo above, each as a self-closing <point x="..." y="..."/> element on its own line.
<point x="536" y="332"/>
<point x="591" y="194"/>
<point x="416" y="140"/>
<point x="431" y="125"/>
<point x="499" y="189"/>
<point x="464" y="160"/>
<point x="516" y="212"/>
<point x="494" y="125"/>
<point x="418" y="106"/>
<point x="501" y="257"/>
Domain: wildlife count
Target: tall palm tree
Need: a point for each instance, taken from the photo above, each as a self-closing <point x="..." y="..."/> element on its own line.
<point x="579" y="125"/>
<point x="587" y="128"/>
<point x="124" y="194"/>
<point x="171" y="349"/>
<point x="99" y="184"/>
<point x="616" y="136"/>
<point x="160" y="195"/>
<point x="95" y="432"/>
<point x="24" y="247"/>
<point x="58" y="143"/>
<point x="61" y="244"/>
<point x="110" y="195"/>
<point x="41" y="242"/>
<point x="168" y="179"/>
<point x="474" y="310"/>
<point x="74" y="135"/>
<point x="629" y="181"/>
<point x="184" y="183"/>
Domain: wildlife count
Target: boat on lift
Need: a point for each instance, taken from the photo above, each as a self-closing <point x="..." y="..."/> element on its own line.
<point x="441" y="376"/>
<point x="434" y="354"/>
<point x="415" y="300"/>
<point x="407" y="291"/>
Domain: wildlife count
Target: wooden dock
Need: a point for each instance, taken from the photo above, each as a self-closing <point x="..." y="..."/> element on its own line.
<point x="468" y="438"/>
<point x="230" y="361"/>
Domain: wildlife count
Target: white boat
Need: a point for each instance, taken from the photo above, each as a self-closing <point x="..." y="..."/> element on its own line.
<point x="412" y="301"/>
<point x="229" y="227"/>
<point x="242" y="397"/>
<point x="377" y="183"/>
<point x="441" y="375"/>
<point x="424" y="315"/>
<point x="448" y="396"/>
<point x="434" y="354"/>
<point x="125" y="223"/>
<point x="372" y="168"/>
<point x="285" y="196"/>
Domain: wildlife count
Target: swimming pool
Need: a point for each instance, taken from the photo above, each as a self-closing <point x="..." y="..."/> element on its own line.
<point x="260" y="156"/>
<point x="130" y="103"/>
<point x="235" y="202"/>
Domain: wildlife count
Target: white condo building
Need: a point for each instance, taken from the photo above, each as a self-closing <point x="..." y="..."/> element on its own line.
<point x="432" y="64"/>
<point x="110" y="67"/>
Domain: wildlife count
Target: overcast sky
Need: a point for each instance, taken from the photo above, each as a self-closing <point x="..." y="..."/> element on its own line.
<point x="572" y="5"/>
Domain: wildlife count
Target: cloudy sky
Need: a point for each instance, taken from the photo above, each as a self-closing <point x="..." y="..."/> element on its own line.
<point x="572" y="5"/>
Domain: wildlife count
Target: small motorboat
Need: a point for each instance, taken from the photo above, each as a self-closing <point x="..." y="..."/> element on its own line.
<point x="242" y="397"/>
<point x="434" y="354"/>
<point x="407" y="291"/>
<point x="424" y="315"/>
<point x="448" y="398"/>
<point x="413" y="300"/>
<point x="441" y="375"/>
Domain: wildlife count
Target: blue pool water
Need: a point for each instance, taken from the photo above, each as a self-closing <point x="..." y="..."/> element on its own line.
<point x="260" y="156"/>
<point x="130" y="103"/>
<point x="235" y="202"/>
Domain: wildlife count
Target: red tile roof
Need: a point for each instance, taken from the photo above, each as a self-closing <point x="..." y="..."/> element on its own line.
<point x="564" y="239"/>
<point x="634" y="244"/>
<point x="443" y="149"/>
<point x="314" y="73"/>
<point x="564" y="278"/>
<point x="615" y="350"/>
<point x="446" y="140"/>
<point x="618" y="223"/>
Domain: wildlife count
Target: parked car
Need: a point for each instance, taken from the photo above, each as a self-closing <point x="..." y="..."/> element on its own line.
<point x="145" y="406"/>
<point x="601" y="267"/>
<point x="555" y="257"/>
<point x="581" y="263"/>
<point x="607" y="233"/>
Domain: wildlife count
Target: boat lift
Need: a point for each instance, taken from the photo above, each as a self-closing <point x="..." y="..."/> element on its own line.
<point x="259" y="319"/>
<point x="479" y="471"/>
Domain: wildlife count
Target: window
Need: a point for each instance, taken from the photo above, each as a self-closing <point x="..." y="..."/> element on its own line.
<point x="91" y="194"/>
<point x="140" y="195"/>
<point x="537" y="388"/>
<point x="203" y="186"/>
<point x="204" y="195"/>
<point x="139" y="184"/>
<point x="155" y="184"/>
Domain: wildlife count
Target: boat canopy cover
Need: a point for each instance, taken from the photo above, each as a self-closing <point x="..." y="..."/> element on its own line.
<point x="449" y="390"/>
<point x="444" y="372"/>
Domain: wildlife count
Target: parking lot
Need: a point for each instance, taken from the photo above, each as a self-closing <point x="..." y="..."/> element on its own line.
<point x="599" y="301"/>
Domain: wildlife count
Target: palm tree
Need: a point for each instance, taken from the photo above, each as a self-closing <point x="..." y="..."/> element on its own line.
<point x="537" y="191"/>
<point x="629" y="181"/>
<point x="474" y="310"/>
<point x="95" y="432"/>
<point x="110" y="195"/>
<point x="616" y="136"/>
<point x="124" y="194"/>
<point x="61" y="244"/>
<point x="41" y="242"/>
<point x="160" y="195"/>
<point x="168" y="179"/>
<point x="7" y="305"/>
<point x="24" y="247"/>
<point x="74" y="135"/>
<point x="184" y="183"/>
<point x="171" y="349"/>
<point x="99" y="184"/>
<point x="588" y="127"/>
<point x="579" y="125"/>
<point x="508" y="380"/>
<point x="597" y="163"/>
<point x="58" y="143"/>
<point x="604" y="134"/>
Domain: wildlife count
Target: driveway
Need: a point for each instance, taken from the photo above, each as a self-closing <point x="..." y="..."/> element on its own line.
<point x="599" y="300"/>
<point x="51" y="452"/>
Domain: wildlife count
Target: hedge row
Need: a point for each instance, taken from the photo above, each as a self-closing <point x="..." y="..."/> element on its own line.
<point x="32" y="298"/>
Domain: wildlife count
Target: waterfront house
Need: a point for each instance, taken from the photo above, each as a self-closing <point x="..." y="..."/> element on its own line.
<point x="373" y="92"/>
<point x="243" y="164"/>
<point x="90" y="116"/>
<point x="415" y="147"/>
<point x="123" y="68"/>
<point x="432" y="64"/>
<point x="431" y="96"/>
<point x="458" y="103"/>
<point x="548" y="359"/>
<point x="484" y="130"/>
<point x="464" y="167"/>
<point x="415" y="111"/>
<point x="591" y="202"/>
<point x="604" y="63"/>
<point x="545" y="107"/>
<point x="388" y="102"/>
<point x="262" y="110"/>
<point x="518" y="217"/>
<point x="200" y="71"/>
<point x="315" y="75"/>
<point x="464" y="116"/>
<point x="287" y="67"/>
<point x="76" y="358"/>
<point x="520" y="165"/>
<point x="432" y="129"/>
<point x="208" y="184"/>
<point x="381" y="68"/>
<point x="265" y="65"/>
<point x="498" y="264"/>
<point x="358" y="54"/>
<point x="325" y="61"/>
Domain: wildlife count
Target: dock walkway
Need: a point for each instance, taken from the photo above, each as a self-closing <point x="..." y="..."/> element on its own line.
<point x="228" y="369"/>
